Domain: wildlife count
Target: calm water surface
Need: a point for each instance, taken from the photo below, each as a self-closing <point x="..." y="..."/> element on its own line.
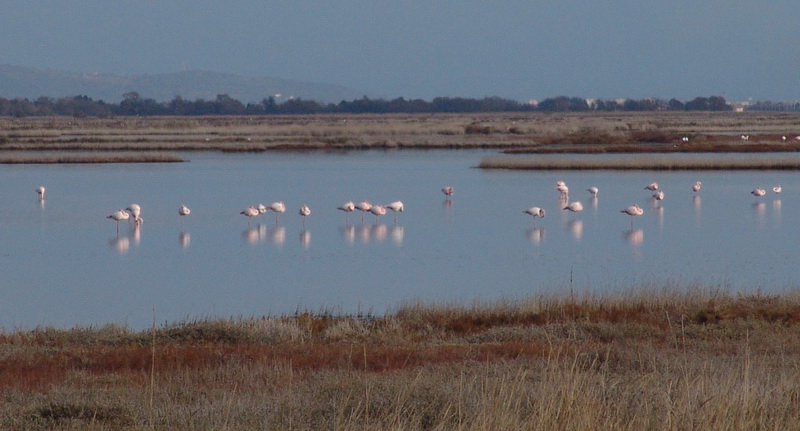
<point x="63" y="264"/>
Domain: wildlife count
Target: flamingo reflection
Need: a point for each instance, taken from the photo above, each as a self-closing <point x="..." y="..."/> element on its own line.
<point x="576" y="227"/>
<point x="277" y="236"/>
<point x="120" y="244"/>
<point x="397" y="234"/>
<point x="254" y="235"/>
<point x="305" y="238"/>
<point x="184" y="239"/>
<point x="536" y="235"/>
<point x="349" y="233"/>
<point x="634" y="236"/>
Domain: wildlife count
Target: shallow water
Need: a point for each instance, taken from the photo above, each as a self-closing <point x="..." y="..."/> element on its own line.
<point x="63" y="264"/>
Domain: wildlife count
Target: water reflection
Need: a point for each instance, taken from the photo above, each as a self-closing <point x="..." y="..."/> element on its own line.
<point x="397" y="233"/>
<point x="536" y="235"/>
<point x="760" y="209"/>
<point x="121" y="244"/>
<point x="184" y="239"/>
<point x="349" y="233"/>
<point x="305" y="239"/>
<point x="576" y="228"/>
<point x="255" y="235"/>
<point x="634" y="236"/>
<point x="277" y="235"/>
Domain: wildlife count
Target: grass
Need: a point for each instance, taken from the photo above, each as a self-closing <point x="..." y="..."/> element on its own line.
<point x="589" y="133"/>
<point x="661" y="358"/>
<point x="643" y="161"/>
<point x="92" y="157"/>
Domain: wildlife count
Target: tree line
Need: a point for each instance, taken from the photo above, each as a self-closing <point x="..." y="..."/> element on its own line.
<point x="133" y="104"/>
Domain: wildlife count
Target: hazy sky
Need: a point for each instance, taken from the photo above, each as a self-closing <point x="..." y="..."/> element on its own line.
<point x="518" y="49"/>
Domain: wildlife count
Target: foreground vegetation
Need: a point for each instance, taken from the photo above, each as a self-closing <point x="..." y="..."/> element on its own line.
<point x="660" y="358"/>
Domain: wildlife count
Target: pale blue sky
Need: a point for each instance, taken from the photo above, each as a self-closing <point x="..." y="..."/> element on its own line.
<point x="516" y="49"/>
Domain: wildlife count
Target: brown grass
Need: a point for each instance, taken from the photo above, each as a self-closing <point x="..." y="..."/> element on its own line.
<point x="519" y="132"/>
<point x="668" y="358"/>
<point x="92" y="157"/>
<point x="643" y="161"/>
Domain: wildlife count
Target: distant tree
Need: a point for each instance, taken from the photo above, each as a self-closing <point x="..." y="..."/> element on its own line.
<point x="675" y="105"/>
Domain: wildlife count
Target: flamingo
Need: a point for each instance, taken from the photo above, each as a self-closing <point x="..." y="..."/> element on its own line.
<point x="378" y="210"/>
<point x="118" y="216"/>
<point x="183" y="211"/>
<point x="777" y="189"/>
<point x="448" y="191"/>
<point x="261" y="208"/>
<point x="40" y="190"/>
<point x="363" y="206"/>
<point x="136" y="212"/>
<point x="696" y="187"/>
<point x="562" y="188"/>
<point x="305" y="211"/>
<point x="685" y="139"/>
<point x="633" y="210"/>
<point x="652" y="186"/>
<point x="397" y="207"/>
<point x="535" y="212"/>
<point x="658" y="195"/>
<point x="249" y="212"/>
<point x="593" y="190"/>
<point x="758" y="191"/>
<point x="277" y="208"/>
<point x="347" y="207"/>
<point x="574" y="207"/>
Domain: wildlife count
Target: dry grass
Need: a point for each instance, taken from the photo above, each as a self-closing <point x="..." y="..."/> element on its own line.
<point x="523" y="132"/>
<point x="90" y="157"/>
<point x="666" y="358"/>
<point x="642" y="161"/>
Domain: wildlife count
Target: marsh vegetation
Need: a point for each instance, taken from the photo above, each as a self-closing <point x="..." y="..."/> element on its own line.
<point x="591" y="133"/>
<point x="662" y="358"/>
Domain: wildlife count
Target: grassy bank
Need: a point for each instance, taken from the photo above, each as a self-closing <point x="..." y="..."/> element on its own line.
<point x="668" y="358"/>
<point x="88" y="157"/>
<point x="643" y="161"/>
<point x="609" y="132"/>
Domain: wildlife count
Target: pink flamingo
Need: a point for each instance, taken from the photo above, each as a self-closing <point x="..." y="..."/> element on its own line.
<point x="397" y="207"/>
<point x="574" y="207"/>
<point x="696" y="187"/>
<point x="535" y="212"/>
<point x="118" y="216"/>
<point x="347" y="207"/>
<point x="250" y="212"/>
<point x="758" y="191"/>
<point x="40" y="190"/>
<point x="652" y="186"/>
<point x="277" y="208"/>
<point x="363" y="206"/>
<point x="183" y="211"/>
<point x="305" y="211"/>
<point x="378" y="210"/>
<point x="633" y="211"/>
<point x="448" y="191"/>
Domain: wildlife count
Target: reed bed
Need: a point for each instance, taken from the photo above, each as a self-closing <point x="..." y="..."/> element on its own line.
<point x="518" y="132"/>
<point x="89" y="157"/>
<point x="643" y="162"/>
<point x="658" y="358"/>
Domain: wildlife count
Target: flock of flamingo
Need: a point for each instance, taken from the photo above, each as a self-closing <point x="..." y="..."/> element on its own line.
<point x="135" y="210"/>
<point x="632" y="210"/>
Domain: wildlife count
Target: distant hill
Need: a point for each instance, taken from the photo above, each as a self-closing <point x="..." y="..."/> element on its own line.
<point x="31" y="83"/>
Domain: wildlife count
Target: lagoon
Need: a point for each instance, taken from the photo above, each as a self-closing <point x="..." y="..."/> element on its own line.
<point x="63" y="264"/>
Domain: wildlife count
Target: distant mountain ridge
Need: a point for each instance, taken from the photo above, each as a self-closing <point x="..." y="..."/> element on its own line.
<point x="32" y="83"/>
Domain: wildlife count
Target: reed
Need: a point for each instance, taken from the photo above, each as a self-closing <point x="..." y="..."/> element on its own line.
<point x="90" y="157"/>
<point x="643" y="161"/>
<point x="658" y="357"/>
